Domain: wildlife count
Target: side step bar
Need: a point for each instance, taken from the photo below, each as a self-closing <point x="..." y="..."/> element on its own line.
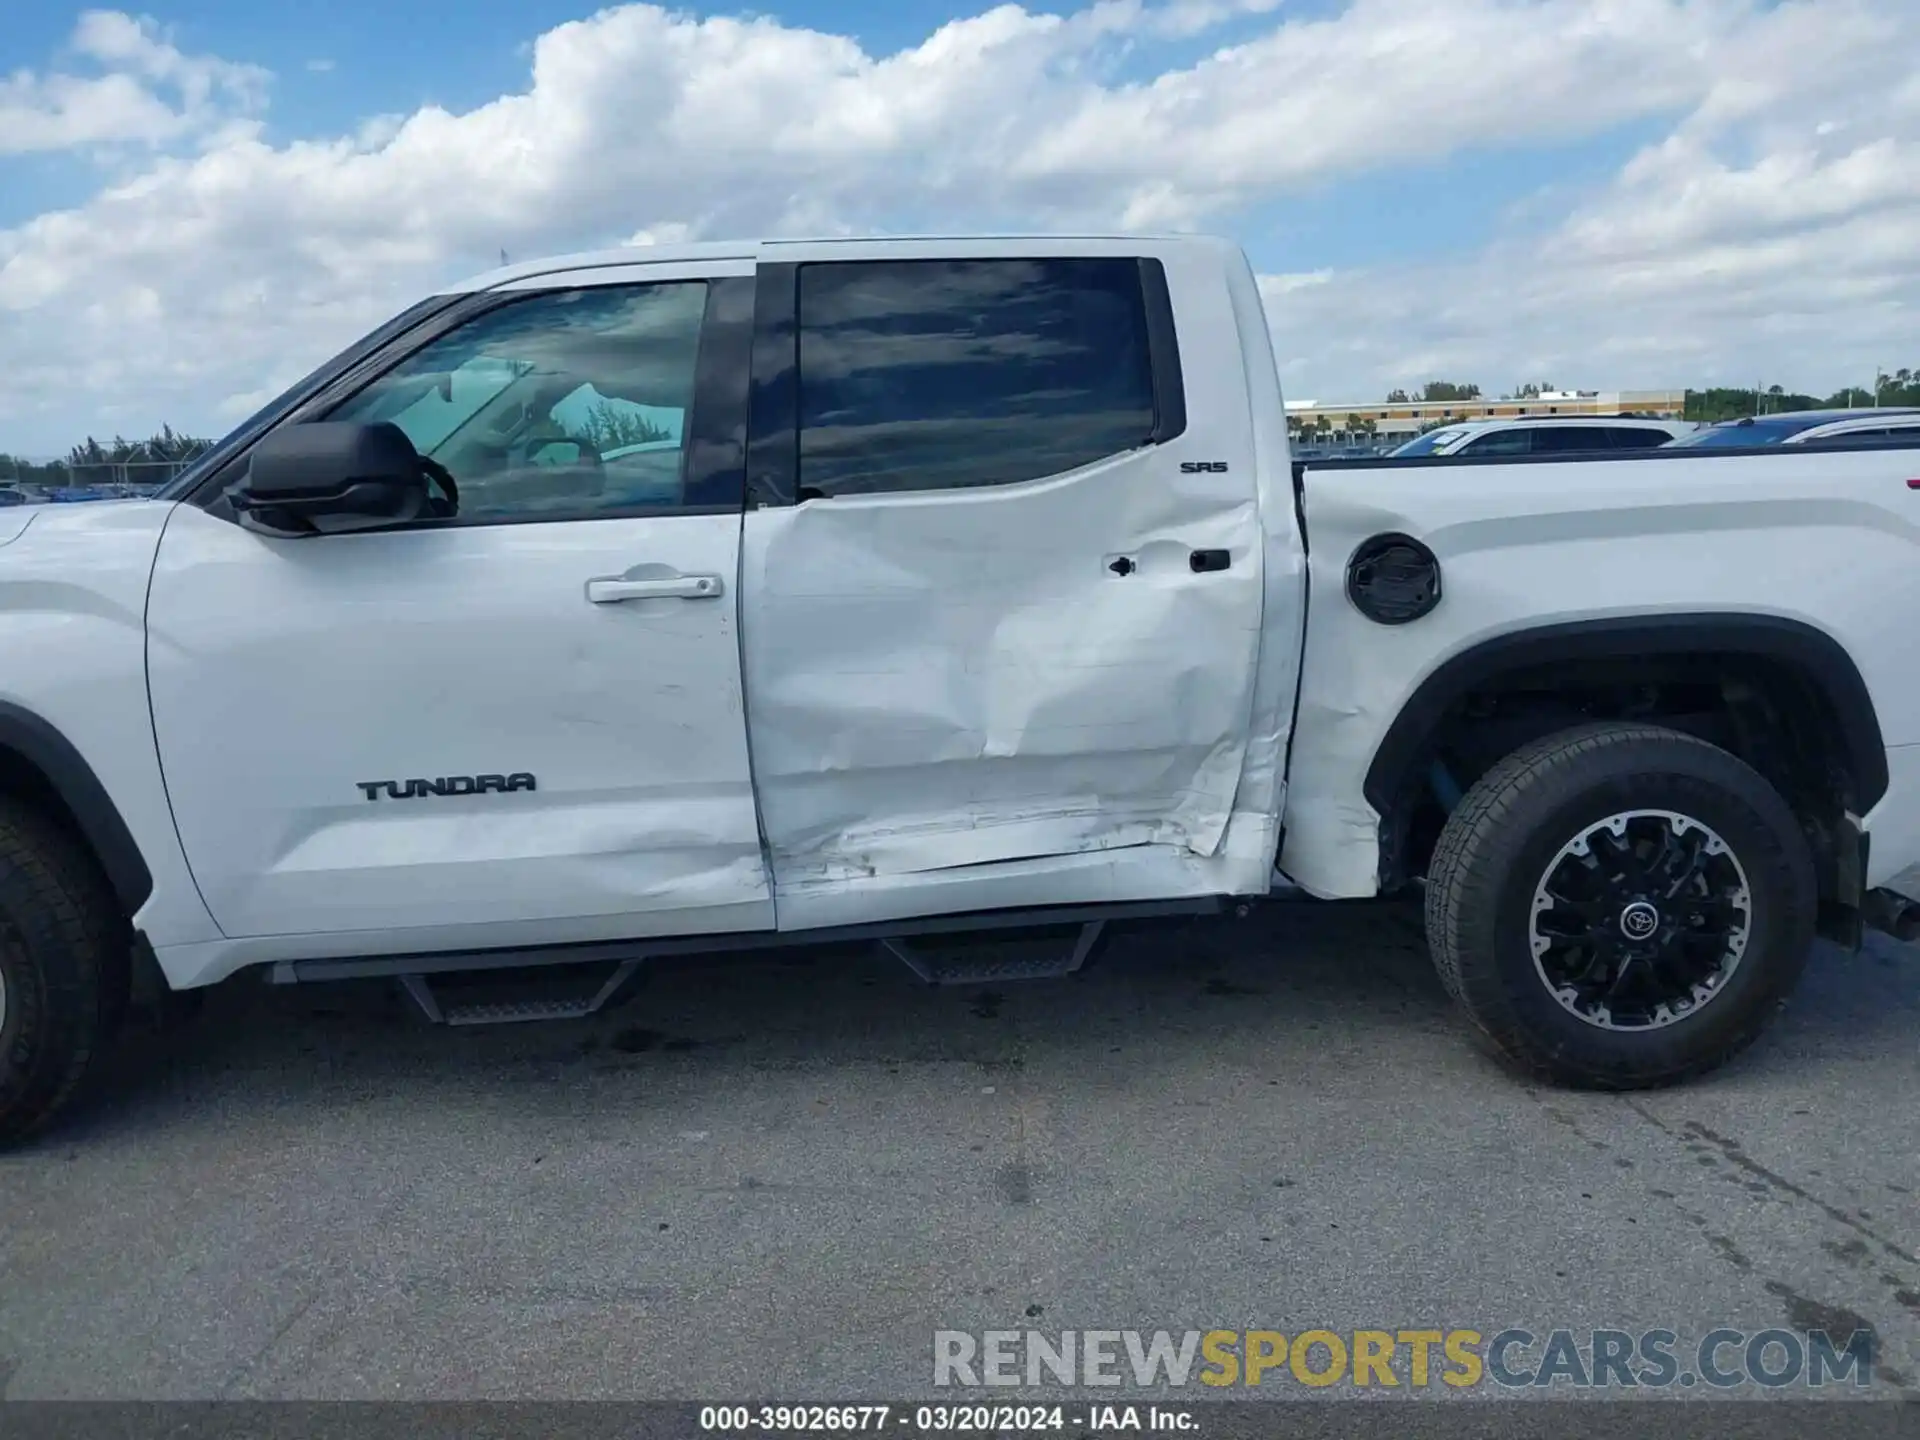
<point x="929" y="947"/>
<point x="1009" y="960"/>
<point x="508" y="1012"/>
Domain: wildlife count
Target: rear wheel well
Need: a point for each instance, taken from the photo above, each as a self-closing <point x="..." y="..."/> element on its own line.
<point x="1777" y="711"/>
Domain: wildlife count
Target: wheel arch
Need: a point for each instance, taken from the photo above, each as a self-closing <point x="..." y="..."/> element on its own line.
<point x="1805" y="650"/>
<point x="38" y="761"/>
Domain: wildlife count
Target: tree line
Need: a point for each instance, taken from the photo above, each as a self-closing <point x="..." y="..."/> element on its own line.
<point x="137" y="462"/>
<point x="1900" y="387"/>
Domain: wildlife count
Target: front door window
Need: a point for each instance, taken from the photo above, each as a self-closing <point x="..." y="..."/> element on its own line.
<point x="566" y="404"/>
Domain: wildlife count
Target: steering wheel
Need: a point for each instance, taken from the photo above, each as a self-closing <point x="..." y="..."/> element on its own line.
<point x="595" y="464"/>
<point x="586" y="472"/>
<point x="449" y="504"/>
<point x="585" y="456"/>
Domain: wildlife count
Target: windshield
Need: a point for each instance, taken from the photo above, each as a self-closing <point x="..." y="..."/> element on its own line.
<point x="1743" y="433"/>
<point x="1432" y="443"/>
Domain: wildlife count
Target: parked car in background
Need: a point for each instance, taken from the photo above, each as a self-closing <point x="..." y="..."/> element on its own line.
<point x="1547" y="435"/>
<point x="1807" y="427"/>
<point x="1861" y="430"/>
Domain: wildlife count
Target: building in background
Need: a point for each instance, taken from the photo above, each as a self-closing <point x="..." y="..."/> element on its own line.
<point x="1379" y="425"/>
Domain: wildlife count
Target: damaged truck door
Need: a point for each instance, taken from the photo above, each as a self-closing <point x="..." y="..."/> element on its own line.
<point x="1001" y="568"/>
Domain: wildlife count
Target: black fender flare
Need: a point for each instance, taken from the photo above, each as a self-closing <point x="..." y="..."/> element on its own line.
<point x="42" y="748"/>
<point x="1770" y="637"/>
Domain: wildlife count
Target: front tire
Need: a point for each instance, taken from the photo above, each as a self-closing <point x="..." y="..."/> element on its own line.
<point x="64" y="966"/>
<point x="1620" y="906"/>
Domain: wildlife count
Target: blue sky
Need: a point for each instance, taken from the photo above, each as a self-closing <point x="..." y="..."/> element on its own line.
<point x="201" y="198"/>
<point x="459" y="53"/>
<point x="338" y="64"/>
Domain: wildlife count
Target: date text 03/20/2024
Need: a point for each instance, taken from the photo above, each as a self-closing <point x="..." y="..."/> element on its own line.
<point x="946" y="1419"/>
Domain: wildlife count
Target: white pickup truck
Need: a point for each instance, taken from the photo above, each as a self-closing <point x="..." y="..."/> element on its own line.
<point x="670" y="601"/>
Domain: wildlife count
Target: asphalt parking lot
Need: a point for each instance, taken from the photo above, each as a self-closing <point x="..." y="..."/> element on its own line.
<point x="777" y="1178"/>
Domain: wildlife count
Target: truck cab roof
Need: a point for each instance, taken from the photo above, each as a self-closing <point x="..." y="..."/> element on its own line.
<point x="854" y="247"/>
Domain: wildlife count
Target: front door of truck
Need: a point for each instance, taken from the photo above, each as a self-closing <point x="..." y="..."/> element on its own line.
<point x="521" y="724"/>
<point x="1003" y="568"/>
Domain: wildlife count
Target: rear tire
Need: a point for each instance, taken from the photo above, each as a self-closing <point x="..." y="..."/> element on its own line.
<point x="1620" y="906"/>
<point x="64" y="967"/>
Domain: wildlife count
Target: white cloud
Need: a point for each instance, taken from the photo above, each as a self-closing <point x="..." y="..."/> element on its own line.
<point x="1783" y="188"/>
<point x="1773" y="236"/>
<point x="149" y="92"/>
<point x="1272" y="285"/>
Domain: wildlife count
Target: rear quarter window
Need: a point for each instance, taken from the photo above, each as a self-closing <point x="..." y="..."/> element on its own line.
<point x="1571" y="439"/>
<point x="937" y="374"/>
<point x="1637" y="437"/>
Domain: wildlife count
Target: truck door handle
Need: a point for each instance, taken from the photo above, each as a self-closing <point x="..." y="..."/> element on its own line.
<point x="1203" y="561"/>
<point x="612" y="589"/>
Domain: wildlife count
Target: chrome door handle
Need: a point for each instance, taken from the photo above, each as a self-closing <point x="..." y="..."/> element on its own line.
<point x="611" y="590"/>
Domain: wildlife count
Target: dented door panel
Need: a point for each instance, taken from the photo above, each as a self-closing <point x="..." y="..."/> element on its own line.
<point x="980" y="676"/>
<point x="945" y="685"/>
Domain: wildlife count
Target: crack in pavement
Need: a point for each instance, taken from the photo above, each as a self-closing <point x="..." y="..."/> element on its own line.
<point x="1837" y="1321"/>
<point x="247" y="1366"/>
<point x="1737" y="1156"/>
<point x="1806" y="1314"/>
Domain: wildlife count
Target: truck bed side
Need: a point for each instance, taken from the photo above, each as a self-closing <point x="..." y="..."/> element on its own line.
<point x="1806" y="555"/>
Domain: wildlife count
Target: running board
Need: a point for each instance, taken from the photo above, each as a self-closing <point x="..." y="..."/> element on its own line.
<point x="512" y="1011"/>
<point x="1006" y="960"/>
<point x="915" y="931"/>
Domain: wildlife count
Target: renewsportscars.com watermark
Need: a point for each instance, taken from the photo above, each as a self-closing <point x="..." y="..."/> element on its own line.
<point x="1412" y="1359"/>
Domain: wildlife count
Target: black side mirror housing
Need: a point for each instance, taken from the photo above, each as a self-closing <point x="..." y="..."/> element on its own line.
<point x="330" y="476"/>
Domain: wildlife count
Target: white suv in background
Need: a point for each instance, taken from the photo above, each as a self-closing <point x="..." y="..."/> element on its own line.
<point x="1547" y="435"/>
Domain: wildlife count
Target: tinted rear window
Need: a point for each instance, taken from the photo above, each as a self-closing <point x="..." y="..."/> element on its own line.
<point x="1571" y="439"/>
<point x="1637" y="437"/>
<point x="931" y="375"/>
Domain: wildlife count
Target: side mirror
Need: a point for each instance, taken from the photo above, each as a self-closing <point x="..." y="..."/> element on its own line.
<point x="330" y="476"/>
